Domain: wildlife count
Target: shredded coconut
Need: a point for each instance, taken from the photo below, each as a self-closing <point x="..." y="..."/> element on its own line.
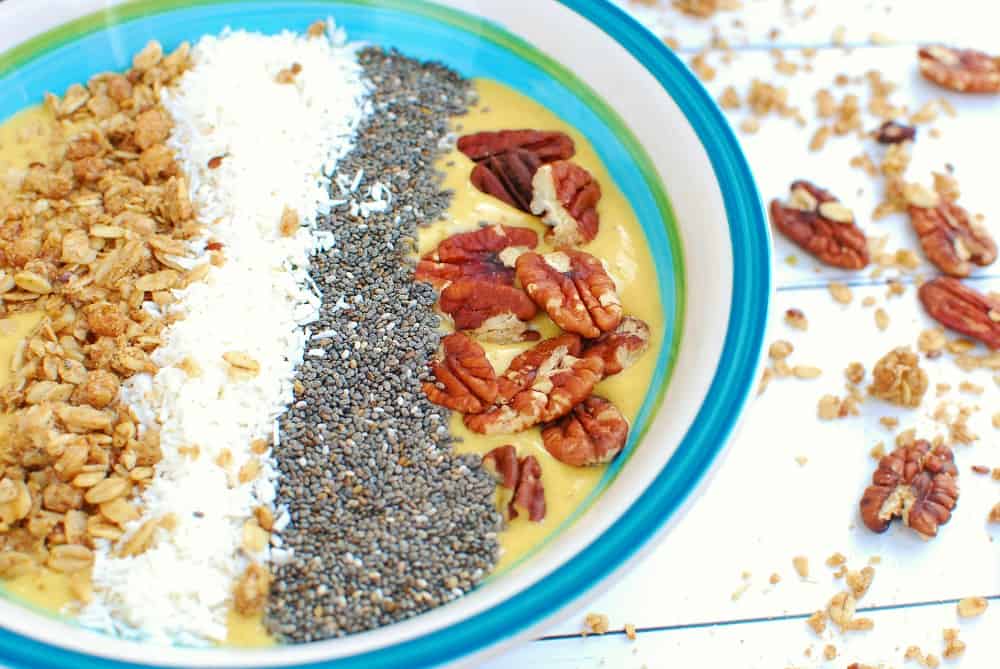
<point x="280" y="142"/>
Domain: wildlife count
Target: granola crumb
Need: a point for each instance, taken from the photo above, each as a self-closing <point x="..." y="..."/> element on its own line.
<point x="817" y="621"/>
<point x="855" y="372"/>
<point x="801" y="564"/>
<point x="994" y="516"/>
<point x="953" y="646"/>
<point x="729" y="98"/>
<point x="840" y="292"/>
<point x="829" y="652"/>
<point x="774" y="579"/>
<point x="836" y="560"/>
<point x="750" y="125"/>
<point x="630" y="631"/>
<point x="595" y="623"/>
<point x="801" y="460"/>
<point x="881" y="319"/>
<point x="970" y="388"/>
<point x="797" y="319"/>
<point x="780" y="349"/>
<point x="878" y="451"/>
<point x="972" y="607"/>
<point x="889" y="422"/>
<point x="820" y="138"/>
<point x="806" y="372"/>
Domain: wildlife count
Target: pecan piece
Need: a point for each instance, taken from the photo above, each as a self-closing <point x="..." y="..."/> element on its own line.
<point x="892" y="132"/>
<point x="956" y="306"/>
<point x="963" y="70"/>
<point x="592" y="434"/>
<point x="546" y="145"/>
<point x="558" y="383"/>
<point x="508" y="177"/>
<point x="502" y="464"/>
<point x="574" y="290"/>
<point x="466" y="381"/>
<point x="622" y="347"/>
<point x="520" y="481"/>
<point x="566" y="197"/>
<point x="529" y="497"/>
<point x="487" y="253"/>
<point x="915" y="482"/>
<point x="950" y="239"/>
<point x="494" y="312"/>
<point x="524" y="369"/>
<point x="816" y="222"/>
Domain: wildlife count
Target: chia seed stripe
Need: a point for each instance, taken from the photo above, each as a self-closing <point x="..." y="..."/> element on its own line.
<point x="386" y="520"/>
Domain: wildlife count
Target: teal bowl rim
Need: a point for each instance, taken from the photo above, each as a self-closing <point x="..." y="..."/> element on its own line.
<point x="701" y="445"/>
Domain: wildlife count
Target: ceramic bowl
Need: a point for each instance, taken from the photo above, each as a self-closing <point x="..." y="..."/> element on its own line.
<point x="672" y="154"/>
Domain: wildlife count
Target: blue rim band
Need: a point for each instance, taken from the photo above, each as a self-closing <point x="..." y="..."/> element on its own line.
<point x="702" y="444"/>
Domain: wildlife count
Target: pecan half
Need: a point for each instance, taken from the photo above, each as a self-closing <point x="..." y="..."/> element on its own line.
<point x="963" y="70"/>
<point x="815" y="221"/>
<point x="520" y="481"/>
<point x="466" y="381"/>
<point x="491" y="311"/>
<point x="620" y="348"/>
<point x="566" y="197"/>
<point x="950" y="239"/>
<point x="544" y="389"/>
<point x="592" y="434"/>
<point x="508" y="177"/>
<point x="956" y="306"/>
<point x="546" y="145"/>
<point x="892" y="132"/>
<point x="574" y="290"/>
<point x="915" y="482"/>
<point x="479" y="254"/>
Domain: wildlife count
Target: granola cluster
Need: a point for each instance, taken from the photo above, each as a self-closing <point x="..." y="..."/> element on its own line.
<point x="89" y="238"/>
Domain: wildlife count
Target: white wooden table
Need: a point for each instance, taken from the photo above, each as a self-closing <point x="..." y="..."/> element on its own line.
<point x="763" y="507"/>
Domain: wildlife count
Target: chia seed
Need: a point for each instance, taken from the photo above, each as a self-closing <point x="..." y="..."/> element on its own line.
<point x="386" y="520"/>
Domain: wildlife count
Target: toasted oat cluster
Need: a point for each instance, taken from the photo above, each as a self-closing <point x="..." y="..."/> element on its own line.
<point x="90" y="237"/>
<point x="898" y="378"/>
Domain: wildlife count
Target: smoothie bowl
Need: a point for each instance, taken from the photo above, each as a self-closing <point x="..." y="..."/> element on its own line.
<point x="370" y="333"/>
